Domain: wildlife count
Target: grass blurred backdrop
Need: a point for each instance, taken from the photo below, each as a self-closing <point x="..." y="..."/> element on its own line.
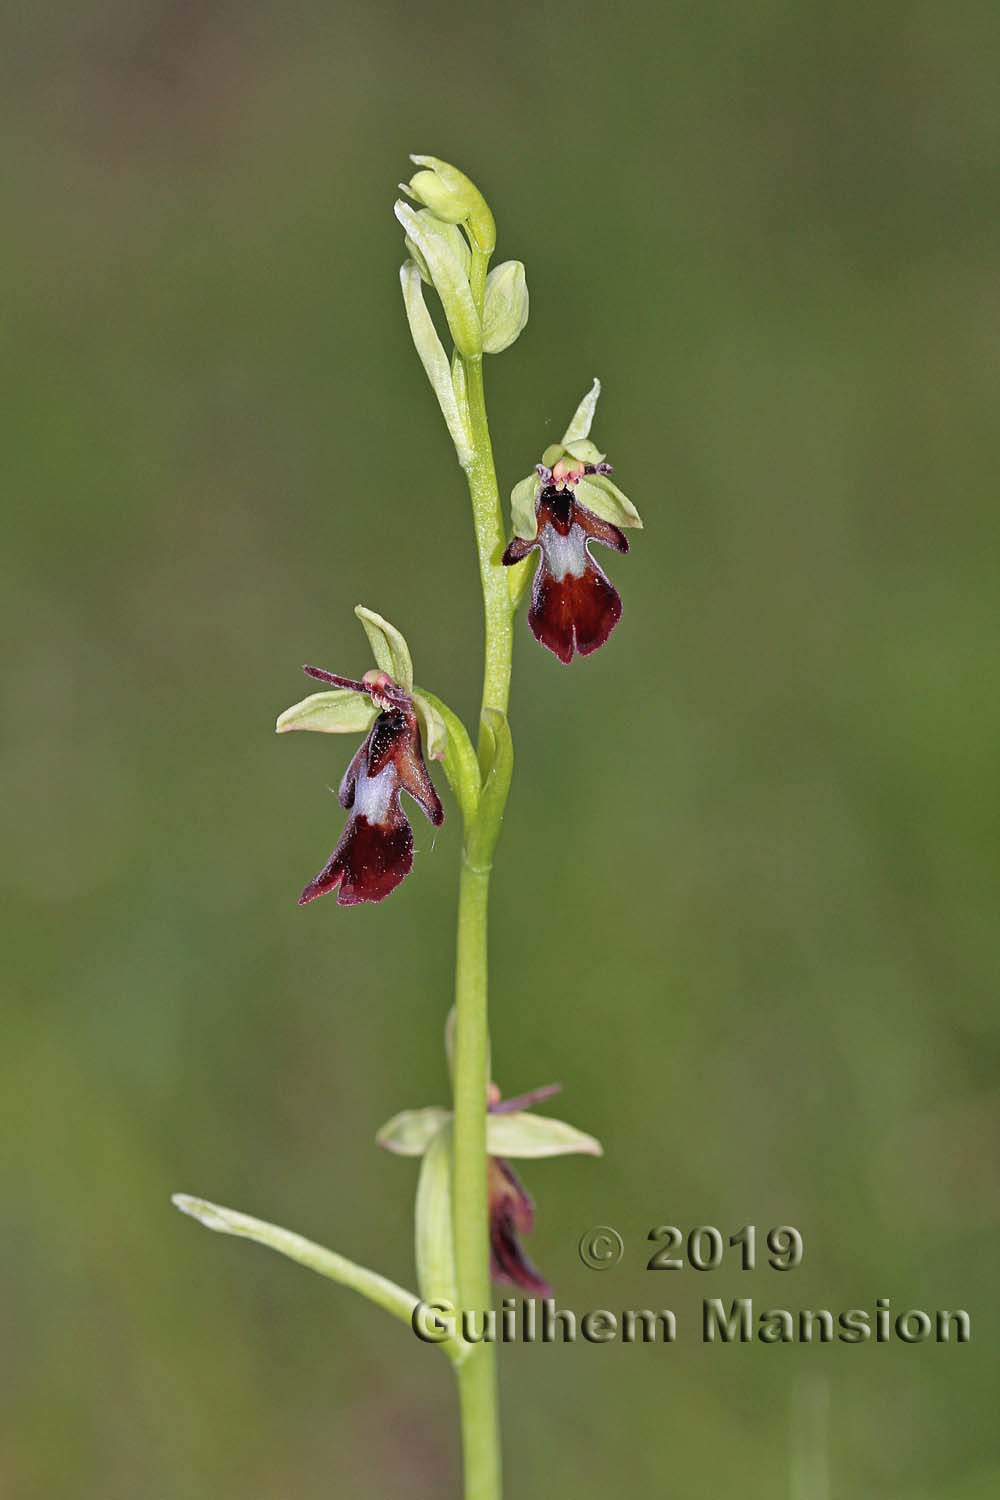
<point x="745" y="905"/>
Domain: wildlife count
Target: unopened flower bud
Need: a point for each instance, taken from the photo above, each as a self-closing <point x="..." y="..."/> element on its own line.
<point x="450" y="195"/>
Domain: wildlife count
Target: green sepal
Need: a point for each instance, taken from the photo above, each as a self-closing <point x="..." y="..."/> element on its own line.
<point x="435" y="362"/>
<point x="523" y="500"/>
<point x="451" y="281"/>
<point x="505" y="308"/>
<point x="411" y="1131"/>
<point x="459" y="759"/>
<point x="526" y="1135"/>
<point x="341" y="711"/>
<point x="389" y="647"/>
<point x="454" y="197"/>
<point x="585" y="452"/>
<point x="433" y="1231"/>
<point x="606" y="500"/>
<point x="496" y="754"/>
<point x="552" y="455"/>
<point x="583" y="416"/>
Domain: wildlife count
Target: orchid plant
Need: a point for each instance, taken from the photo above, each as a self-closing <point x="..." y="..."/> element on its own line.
<point x="471" y="1207"/>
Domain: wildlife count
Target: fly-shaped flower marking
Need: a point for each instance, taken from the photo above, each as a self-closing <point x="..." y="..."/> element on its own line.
<point x="375" y="851"/>
<point x="574" y="605"/>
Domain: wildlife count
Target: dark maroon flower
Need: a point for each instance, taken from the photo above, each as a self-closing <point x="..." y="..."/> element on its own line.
<point x="512" y="1213"/>
<point x="375" y="851"/>
<point x="574" y="605"/>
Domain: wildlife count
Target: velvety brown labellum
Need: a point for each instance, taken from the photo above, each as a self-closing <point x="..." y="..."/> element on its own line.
<point x="574" y="605"/>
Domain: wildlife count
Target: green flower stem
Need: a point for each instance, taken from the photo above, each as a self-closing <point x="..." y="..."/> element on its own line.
<point x="477" y="1376"/>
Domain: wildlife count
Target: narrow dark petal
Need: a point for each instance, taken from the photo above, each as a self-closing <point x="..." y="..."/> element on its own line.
<point x="525" y="1101"/>
<point x="343" y="682"/>
<point x="413" y="778"/>
<point x="599" y="530"/>
<point x="369" y="862"/>
<point x="517" y="550"/>
<point x="511" y="1213"/>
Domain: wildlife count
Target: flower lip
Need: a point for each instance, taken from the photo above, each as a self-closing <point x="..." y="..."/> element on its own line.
<point x="574" y="605"/>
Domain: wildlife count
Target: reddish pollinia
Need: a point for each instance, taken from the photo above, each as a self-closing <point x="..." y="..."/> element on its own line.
<point x="574" y="605"/>
<point x="375" y="851"/>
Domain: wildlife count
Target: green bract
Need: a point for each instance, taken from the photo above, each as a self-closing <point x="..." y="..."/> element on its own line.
<point x="389" y="647"/>
<point x="436" y="364"/>
<point x="452" y="239"/>
<point x="340" y="711"/>
<point x="433" y="729"/>
<point x="606" y="500"/>
<point x="505" y="310"/>
<point x="450" y="279"/>
<point x="434" y="1244"/>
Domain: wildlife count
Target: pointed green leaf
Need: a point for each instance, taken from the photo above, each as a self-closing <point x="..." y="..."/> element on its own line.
<point x="585" y="452"/>
<point x="583" y="416"/>
<point x="411" y="1132"/>
<point x="389" y="647"/>
<point x="459" y="760"/>
<point x="338" y="712"/>
<point x="451" y="282"/>
<point x="526" y="1135"/>
<point x="378" y="1289"/>
<point x="505" y="309"/>
<point x="434" y="1238"/>
<point x="434" y="361"/>
<point x="606" y="500"/>
<point x="523" y="499"/>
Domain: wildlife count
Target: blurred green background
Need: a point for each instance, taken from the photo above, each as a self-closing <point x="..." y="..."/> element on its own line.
<point x="745" y="905"/>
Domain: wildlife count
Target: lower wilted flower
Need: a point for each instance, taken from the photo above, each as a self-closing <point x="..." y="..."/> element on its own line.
<point x="375" y="851"/>
<point x="512" y="1213"/>
<point x="510" y="1132"/>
